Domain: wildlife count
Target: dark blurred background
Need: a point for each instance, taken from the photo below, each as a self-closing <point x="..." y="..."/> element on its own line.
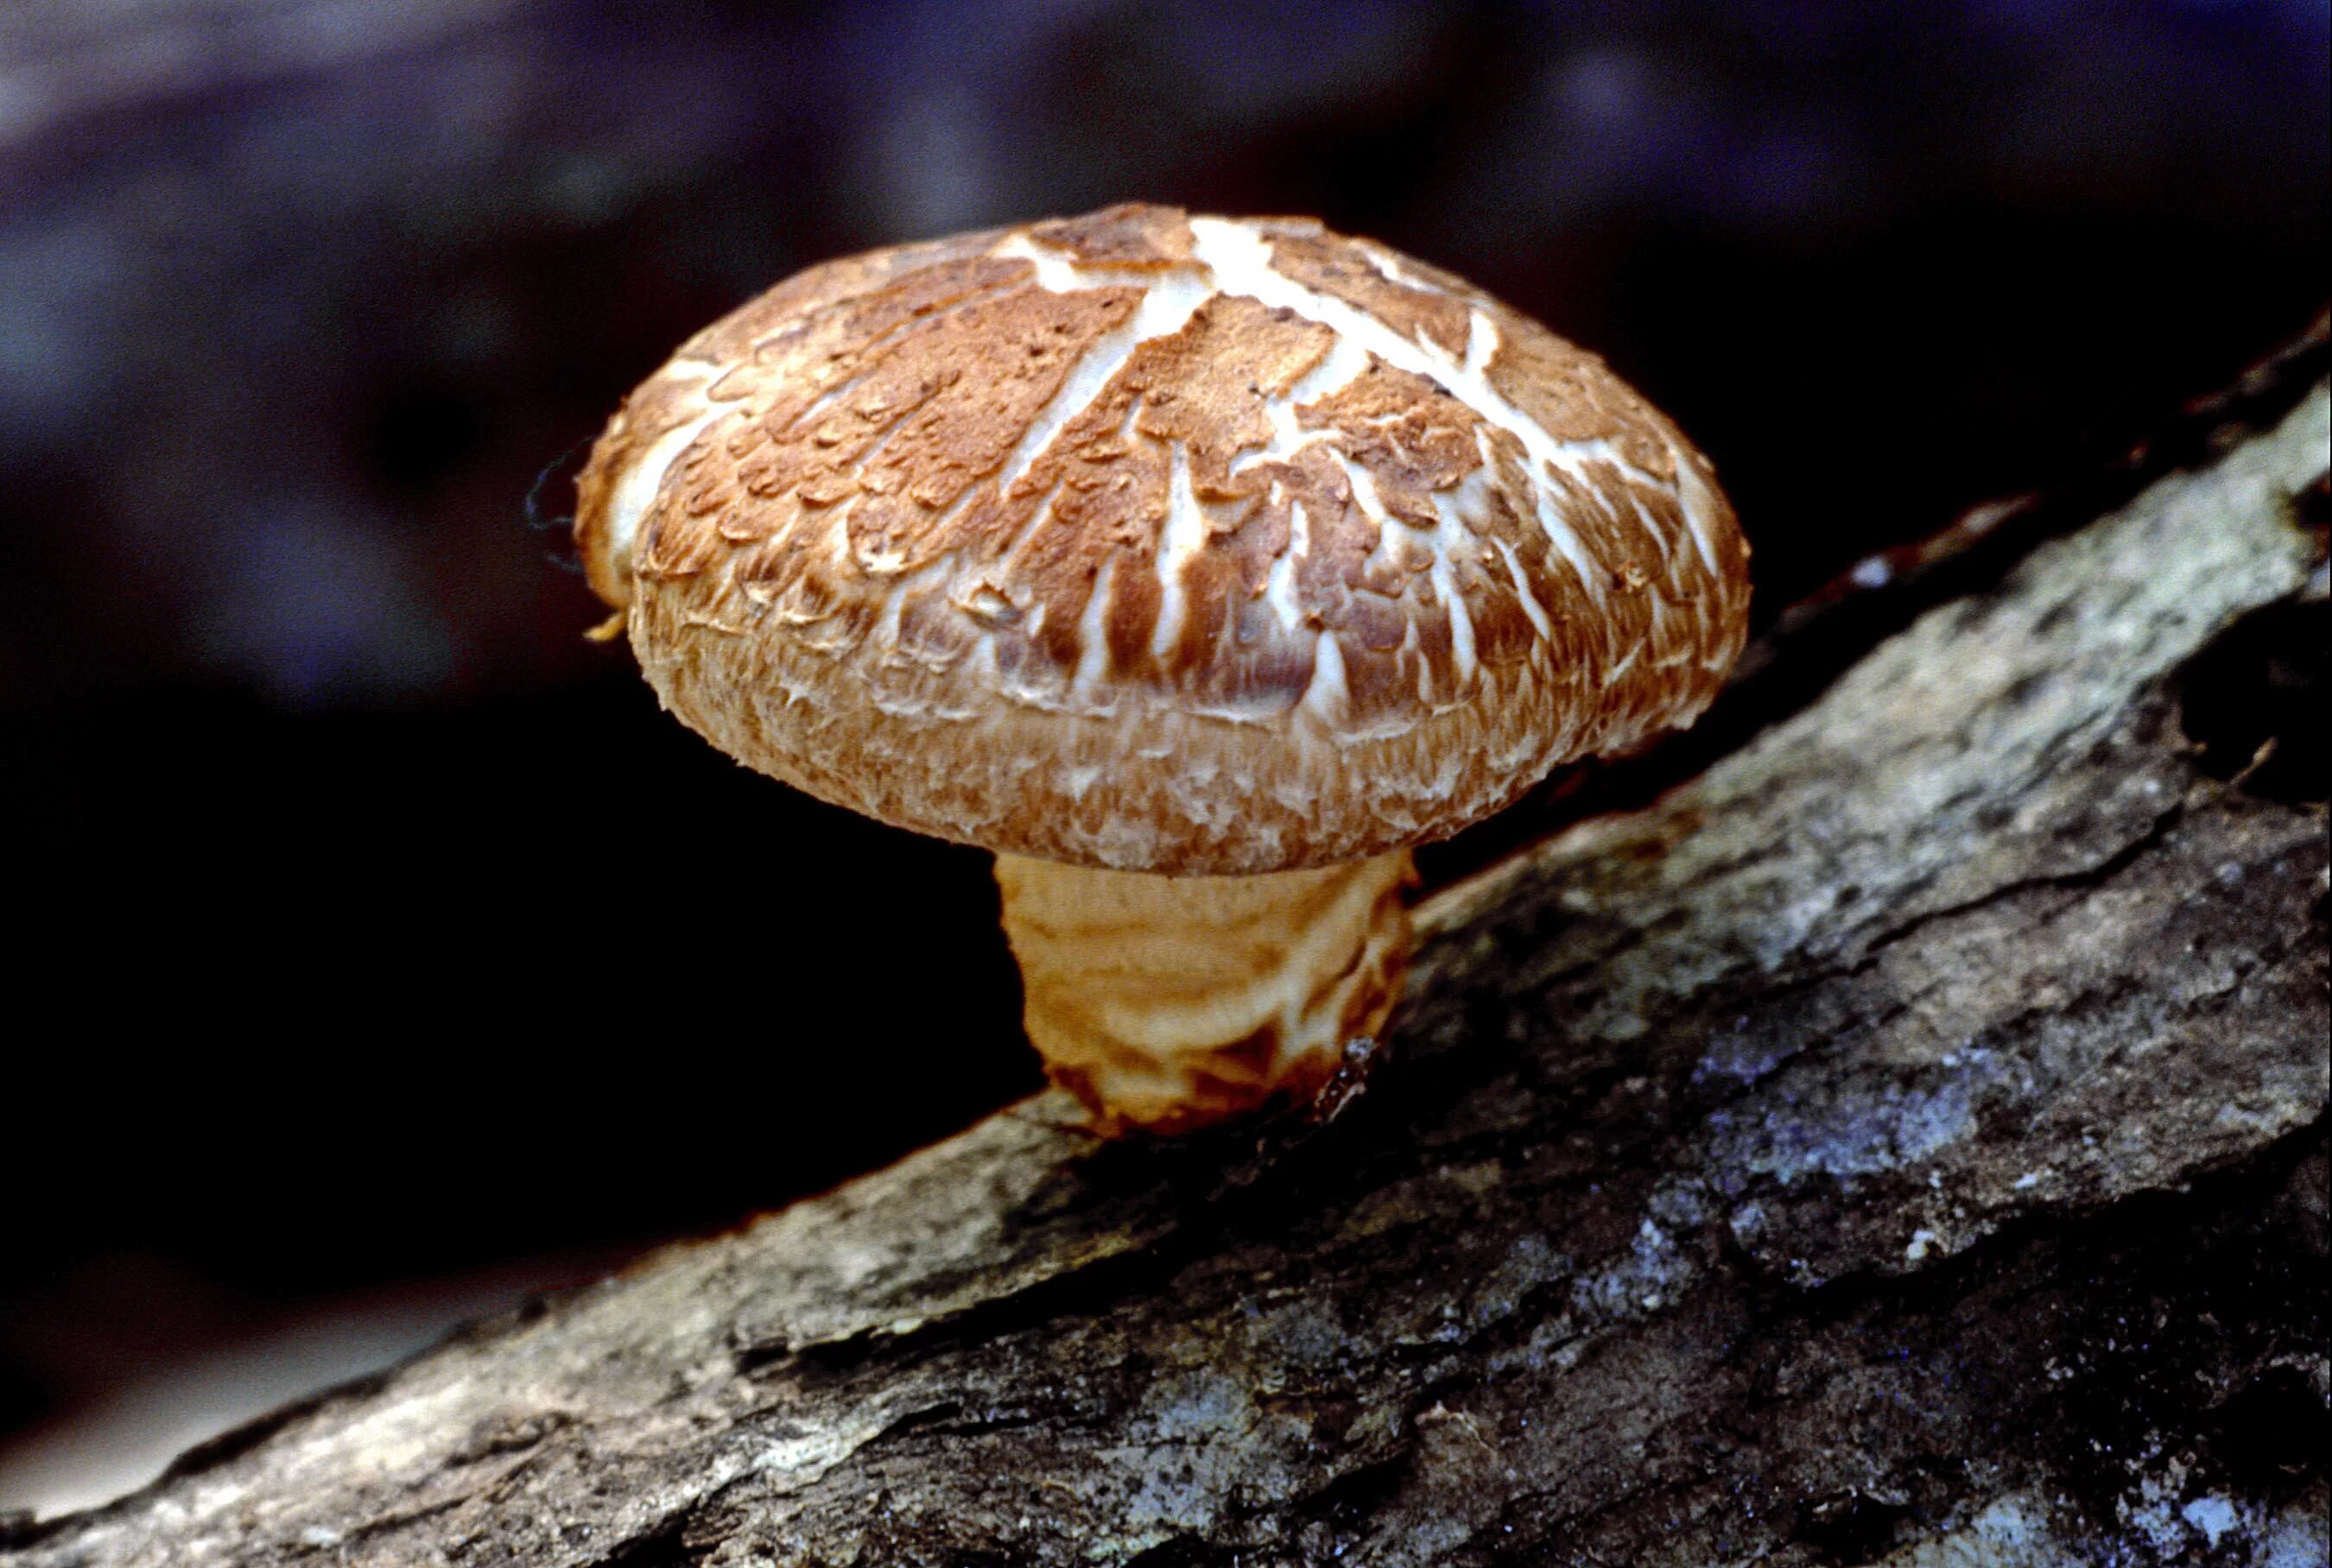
<point x="353" y="988"/>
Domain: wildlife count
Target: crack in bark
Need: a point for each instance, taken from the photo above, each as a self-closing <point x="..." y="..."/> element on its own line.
<point x="2085" y="880"/>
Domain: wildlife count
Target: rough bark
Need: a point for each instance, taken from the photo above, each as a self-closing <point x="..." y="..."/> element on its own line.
<point x="1901" y="1143"/>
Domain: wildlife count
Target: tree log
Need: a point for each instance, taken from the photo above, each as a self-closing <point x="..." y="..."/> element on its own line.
<point x="1903" y="1143"/>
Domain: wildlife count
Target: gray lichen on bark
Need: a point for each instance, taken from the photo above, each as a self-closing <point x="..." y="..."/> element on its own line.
<point x="1904" y="1142"/>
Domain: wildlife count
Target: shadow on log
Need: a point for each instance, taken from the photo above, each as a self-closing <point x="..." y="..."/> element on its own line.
<point x="1903" y="1143"/>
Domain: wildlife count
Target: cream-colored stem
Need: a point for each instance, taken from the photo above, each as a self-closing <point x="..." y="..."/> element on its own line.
<point x="1169" y="1002"/>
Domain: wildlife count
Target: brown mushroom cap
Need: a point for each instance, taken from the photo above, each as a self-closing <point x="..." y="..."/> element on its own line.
<point x="1158" y="542"/>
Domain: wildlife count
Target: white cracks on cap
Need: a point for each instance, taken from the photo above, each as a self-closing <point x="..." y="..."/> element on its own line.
<point x="1326" y="694"/>
<point x="1337" y="369"/>
<point x="995" y="595"/>
<point x="1055" y="271"/>
<point x="1532" y="608"/>
<point x="1385" y="554"/>
<point x="1701" y="507"/>
<point x="1481" y="342"/>
<point x="1567" y="543"/>
<point x="1449" y="528"/>
<point x="1461" y="624"/>
<point x="1183" y="537"/>
<point x="1093" y="637"/>
<point x="1169" y="300"/>
<point x="1279" y="586"/>
<point x="1390" y="269"/>
<point x="1234" y="258"/>
<point x="1364" y="491"/>
<point x="1240" y="260"/>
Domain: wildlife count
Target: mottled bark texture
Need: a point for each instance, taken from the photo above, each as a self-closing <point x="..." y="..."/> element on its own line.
<point x="1903" y="1143"/>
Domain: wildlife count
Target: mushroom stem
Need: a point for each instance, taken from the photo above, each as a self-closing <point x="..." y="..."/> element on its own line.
<point x="1169" y="1003"/>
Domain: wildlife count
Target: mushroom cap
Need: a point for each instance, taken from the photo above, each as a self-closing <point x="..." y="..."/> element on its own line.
<point x="1158" y="542"/>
